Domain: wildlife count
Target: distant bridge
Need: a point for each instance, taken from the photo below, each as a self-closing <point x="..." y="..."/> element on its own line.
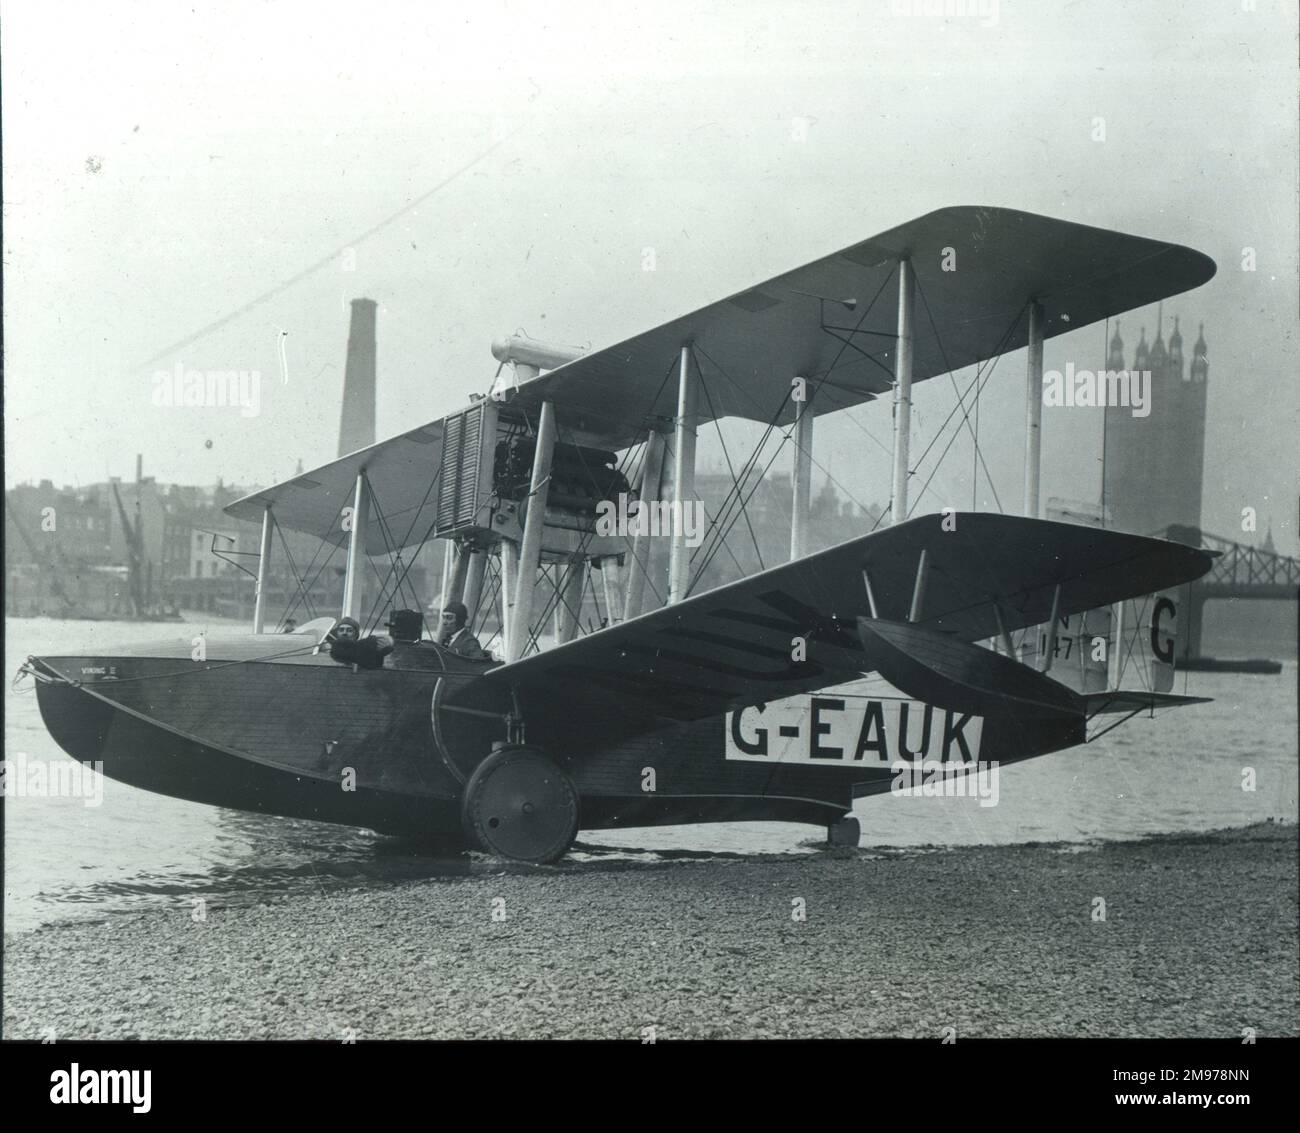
<point x="1240" y="571"/>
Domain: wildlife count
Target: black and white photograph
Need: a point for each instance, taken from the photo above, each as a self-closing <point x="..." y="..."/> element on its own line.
<point x="651" y="523"/>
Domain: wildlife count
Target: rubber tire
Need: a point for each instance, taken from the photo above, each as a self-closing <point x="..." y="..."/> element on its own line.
<point x="496" y="795"/>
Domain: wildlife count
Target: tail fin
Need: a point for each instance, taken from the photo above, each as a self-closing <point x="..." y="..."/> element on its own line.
<point x="1146" y="642"/>
<point x="1129" y="645"/>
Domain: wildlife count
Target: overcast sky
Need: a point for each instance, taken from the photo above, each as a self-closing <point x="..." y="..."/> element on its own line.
<point x="165" y="164"/>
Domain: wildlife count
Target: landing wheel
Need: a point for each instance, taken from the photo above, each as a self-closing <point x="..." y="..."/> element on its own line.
<point x="518" y="804"/>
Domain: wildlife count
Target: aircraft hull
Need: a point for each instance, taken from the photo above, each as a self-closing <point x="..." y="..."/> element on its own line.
<point x="302" y="736"/>
<point x="179" y="750"/>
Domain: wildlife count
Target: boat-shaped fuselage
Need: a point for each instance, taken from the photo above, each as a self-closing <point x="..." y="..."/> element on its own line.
<point x="272" y="724"/>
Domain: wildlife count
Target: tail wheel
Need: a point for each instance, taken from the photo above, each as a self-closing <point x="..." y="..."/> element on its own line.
<point x="519" y="804"/>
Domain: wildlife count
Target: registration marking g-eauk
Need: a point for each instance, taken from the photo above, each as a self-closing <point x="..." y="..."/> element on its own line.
<point x="837" y="726"/>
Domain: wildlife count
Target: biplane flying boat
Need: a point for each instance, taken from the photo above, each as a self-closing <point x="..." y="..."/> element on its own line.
<point x="784" y="695"/>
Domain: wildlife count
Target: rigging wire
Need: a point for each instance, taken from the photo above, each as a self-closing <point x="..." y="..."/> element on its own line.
<point x="493" y="578"/>
<point x="960" y="399"/>
<point x="776" y="416"/>
<point x="741" y="502"/>
<point x="982" y="382"/>
<point x="756" y="484"/>
<point x="738" y="481"/>
<point x="991" y="361"/>
<point x="845" y="343"/>
<point x="726" y="456"/>
<point x="395" y="564"/>
<point x="389" y="542"/>
<point x="297" y="576"/>
<point x="334" y="550"/>
<point x="943" y="455"/>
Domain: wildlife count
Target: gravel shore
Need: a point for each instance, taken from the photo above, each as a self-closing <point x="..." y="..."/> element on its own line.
<point x="1199" y="939"/>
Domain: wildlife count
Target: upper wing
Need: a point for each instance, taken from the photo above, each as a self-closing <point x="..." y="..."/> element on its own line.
<point x="735" y="646"/>
<point x="763" y="337"/>
<point x="401" y="473"/>
<point x="975" y="268"/>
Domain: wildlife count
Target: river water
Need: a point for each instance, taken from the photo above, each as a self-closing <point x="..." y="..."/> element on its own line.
<point x="63" y="860"/>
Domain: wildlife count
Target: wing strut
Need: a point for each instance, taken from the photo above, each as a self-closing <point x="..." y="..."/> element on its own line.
<point x="902" y="390"/>
<point x="530" y="550"/>
<point x="1053" y="621"/>
<point x="1002" y="630"/>
<point x="651" y="473"/>
<point x="356" y="548"/>
<point x="871" y="596"/>
<point x="263" y="571"/>
<point x="683" y="473"/>
<point x="803" y="439"/>
<point x="918" y="587"/>
<point x="474" y="576"/>
<point x="1034" y="411"/>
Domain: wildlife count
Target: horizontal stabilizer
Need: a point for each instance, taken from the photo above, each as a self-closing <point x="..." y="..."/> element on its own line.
<point x="1135" y="699"/>
<point x="959" y="676"/>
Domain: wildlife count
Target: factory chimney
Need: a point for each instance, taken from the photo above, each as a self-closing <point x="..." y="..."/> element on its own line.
<point x="357" y="426"/>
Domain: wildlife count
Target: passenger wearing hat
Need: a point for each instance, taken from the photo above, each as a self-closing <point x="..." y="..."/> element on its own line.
<point x="348" y="647"/>
<point x="454" y="634"/>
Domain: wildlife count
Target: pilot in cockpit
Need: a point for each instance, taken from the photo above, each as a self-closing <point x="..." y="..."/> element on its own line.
<point x="454" y="633"/>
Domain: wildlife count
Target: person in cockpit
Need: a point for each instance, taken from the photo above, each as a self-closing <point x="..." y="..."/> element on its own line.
<point x="348" y="647"/>
<point x="454" y="633"/>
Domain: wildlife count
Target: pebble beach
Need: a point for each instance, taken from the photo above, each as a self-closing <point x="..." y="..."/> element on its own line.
<point x="1179" y="935"/>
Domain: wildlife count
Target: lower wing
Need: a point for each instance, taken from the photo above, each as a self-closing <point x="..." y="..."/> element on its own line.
<point x="794" y="628"/>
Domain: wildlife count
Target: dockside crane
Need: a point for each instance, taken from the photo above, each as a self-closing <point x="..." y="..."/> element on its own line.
<point x="46" y="560"/>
